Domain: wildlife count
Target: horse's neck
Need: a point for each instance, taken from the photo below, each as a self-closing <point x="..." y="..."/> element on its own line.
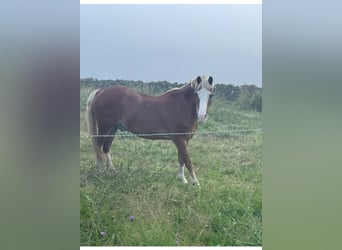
<point x="185" y="97"/>
<point x="189" y="96"/>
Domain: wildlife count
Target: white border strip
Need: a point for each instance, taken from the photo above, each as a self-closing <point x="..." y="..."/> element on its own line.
<point x="170" y="1"/>
<point x="171" y="248"/>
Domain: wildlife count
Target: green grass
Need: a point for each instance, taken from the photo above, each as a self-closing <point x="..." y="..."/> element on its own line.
<point x="225" y="210"/>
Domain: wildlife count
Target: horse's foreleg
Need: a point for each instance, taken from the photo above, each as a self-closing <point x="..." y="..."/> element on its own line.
<point x="183" y="153"/>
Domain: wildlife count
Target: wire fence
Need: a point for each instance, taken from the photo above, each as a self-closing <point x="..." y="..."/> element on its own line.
<point x="125" y="134"/>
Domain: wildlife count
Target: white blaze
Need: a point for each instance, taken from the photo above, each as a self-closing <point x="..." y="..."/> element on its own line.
<point x="203" y="95"/>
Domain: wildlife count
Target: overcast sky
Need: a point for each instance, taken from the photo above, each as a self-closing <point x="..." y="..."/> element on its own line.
<point x="172" y="42"/>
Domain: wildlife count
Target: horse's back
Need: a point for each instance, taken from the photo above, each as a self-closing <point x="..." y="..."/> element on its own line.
<point x="117" y="103"/>
<point x="110" y="96"/>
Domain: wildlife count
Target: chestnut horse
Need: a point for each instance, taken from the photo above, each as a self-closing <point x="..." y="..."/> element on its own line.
<point x="173" y="116"/>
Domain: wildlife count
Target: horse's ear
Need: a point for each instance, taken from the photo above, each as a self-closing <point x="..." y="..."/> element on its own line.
<point x="210" y="80"/>
<point x="198" y="80"/>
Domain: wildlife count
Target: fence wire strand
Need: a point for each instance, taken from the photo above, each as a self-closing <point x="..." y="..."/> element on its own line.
<point x="85" y="135"/>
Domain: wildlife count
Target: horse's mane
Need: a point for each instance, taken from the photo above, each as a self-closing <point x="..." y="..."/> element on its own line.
<point x="176" y="89"/>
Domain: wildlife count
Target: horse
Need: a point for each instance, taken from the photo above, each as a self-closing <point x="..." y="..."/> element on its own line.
<point x="173" y="116"/>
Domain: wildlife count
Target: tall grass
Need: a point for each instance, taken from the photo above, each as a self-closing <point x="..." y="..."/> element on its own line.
<point x="225" y="210"/>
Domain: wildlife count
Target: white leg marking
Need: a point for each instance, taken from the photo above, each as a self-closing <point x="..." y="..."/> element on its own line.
<point x="99" y="166"/>
<point x="181" y="173"/>
<point x="194" y="180"/>
<point x="109" y="162"/>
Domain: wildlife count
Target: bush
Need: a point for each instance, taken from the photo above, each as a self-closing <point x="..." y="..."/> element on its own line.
<point x="250" y="98"/>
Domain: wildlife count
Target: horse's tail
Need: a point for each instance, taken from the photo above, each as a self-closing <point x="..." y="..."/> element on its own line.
<point x="92" y="125"/>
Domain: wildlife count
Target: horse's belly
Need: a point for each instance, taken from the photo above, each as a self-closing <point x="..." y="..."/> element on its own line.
<point x="146" y="124"/>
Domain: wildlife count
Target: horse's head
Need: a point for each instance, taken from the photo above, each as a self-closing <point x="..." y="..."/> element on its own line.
<point x="204" y="89"/>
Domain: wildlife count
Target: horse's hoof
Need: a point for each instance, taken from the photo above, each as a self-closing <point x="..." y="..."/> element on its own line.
<point x="100" y="172"/>
<point x="182" y="179"/>
<point x="112" y="171"/>
<point x="196" y="184"/>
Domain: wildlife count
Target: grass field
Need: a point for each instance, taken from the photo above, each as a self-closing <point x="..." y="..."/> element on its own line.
<point x="225" y="210"/>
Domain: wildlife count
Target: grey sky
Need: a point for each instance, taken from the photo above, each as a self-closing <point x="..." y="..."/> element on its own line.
<point x="172" y="42"/>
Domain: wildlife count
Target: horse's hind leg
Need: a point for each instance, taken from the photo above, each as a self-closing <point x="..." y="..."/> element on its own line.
<point x="100" y="157"/>
<point x="106" y="148"/>
<point x="103" y="155"/>
<point x="109" y="162"/>
<point x="181" y="176"/>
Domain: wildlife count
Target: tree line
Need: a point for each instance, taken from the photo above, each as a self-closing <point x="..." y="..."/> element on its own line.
<point x="246" y="97"/>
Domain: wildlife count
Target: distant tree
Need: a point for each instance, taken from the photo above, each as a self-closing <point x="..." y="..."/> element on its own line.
<point x="247" y="97"/>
